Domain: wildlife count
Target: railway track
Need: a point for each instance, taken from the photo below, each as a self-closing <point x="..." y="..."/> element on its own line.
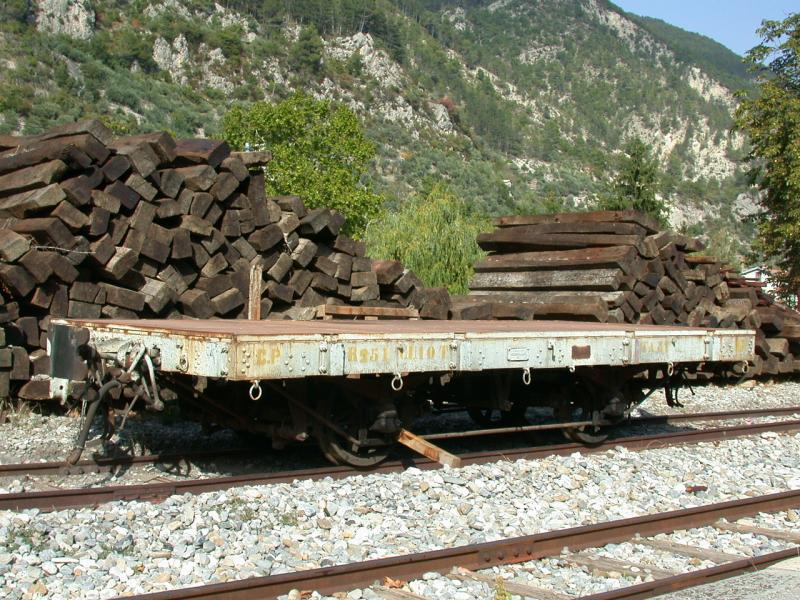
<point x="71" y="498"/>
<point x="469" y="560"/>
<point x="112" y="464"/>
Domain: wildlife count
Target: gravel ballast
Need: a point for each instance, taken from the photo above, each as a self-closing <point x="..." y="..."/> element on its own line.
<point x="136" y="547"/>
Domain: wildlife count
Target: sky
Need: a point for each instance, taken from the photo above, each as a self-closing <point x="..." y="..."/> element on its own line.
<point x="731" y="22"/>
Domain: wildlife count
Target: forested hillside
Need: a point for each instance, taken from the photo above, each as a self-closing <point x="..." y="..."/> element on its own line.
<point x="515" y="105"/>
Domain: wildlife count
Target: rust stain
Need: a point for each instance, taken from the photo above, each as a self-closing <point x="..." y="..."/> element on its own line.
<point x="581" y="352"/>
<point x="224" y="328"/>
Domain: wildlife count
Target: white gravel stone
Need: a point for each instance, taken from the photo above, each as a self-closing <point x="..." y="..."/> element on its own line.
<point x="137" y="547"/>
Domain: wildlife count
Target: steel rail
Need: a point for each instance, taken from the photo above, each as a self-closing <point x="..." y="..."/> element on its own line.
<point x="81" y="497"/>
<point x="695" y="578"/>
<point x="711" y="416"/>
<point x="108" y="464"/>
<point x="646" y="420"/>
<point x="328" y="580"/>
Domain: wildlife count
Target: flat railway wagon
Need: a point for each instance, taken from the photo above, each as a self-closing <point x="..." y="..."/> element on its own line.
<point x="353" y="386"/>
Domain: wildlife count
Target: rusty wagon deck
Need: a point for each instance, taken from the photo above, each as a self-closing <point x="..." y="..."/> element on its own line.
<point x="255" y="350"/>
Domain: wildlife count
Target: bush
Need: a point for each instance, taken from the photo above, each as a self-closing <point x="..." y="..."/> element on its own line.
<point x="319" y="152"/>
<point x="433" y="235"/>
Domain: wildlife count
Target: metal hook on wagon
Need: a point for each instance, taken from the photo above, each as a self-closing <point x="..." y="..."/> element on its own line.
<point x="526" y="375"/>
<point x="745" y="367"/>
<point x="397" y="382"/>
<point x="670" y="369"/>
<point x="255" y="391"/>
<point x="155" y="401"/>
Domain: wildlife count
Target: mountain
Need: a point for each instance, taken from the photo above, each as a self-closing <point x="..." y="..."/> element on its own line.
<point x="520" y="105"/>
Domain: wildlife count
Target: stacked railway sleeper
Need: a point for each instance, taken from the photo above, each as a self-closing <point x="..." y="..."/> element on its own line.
<point x="93" y="226"/>
<point x="619" y="267"/>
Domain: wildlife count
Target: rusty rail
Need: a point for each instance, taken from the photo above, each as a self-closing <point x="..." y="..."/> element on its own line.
<point x="329" y="580"/>
<point x="111" y="463"/>
<point x="647" y="420"/>
<point x="695" y="578"/>
<point x="68" y="498"/>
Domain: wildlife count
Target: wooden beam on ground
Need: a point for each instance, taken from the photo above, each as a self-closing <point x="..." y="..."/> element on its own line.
<point x="613" y="228"/>
<point x="603" y="566"/>
<point x="775" y="534"/>
<point x="526" y="590"/>
<point x="425" y="448"/>
<point x="699" y="259"/>
<point x="397" y="594"/>
<point x="686" y="550"/>
<point x="779" y="346"/>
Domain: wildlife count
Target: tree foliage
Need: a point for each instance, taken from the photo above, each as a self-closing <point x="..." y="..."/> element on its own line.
<point x="319" y="152"/>
<point x="637" y="182"/>
<point x="772" y="119"/>
<point x="16" y="11"/>
<point x="434" y="235"/>
<point x="306" y="54"/>
<point x="339" y="18"/>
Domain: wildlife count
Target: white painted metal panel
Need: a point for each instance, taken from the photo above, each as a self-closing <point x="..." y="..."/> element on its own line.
<point x="249" y="356"/>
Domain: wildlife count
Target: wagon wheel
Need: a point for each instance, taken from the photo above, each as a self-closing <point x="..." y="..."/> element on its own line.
<point x="580" y="406"/>
<point x="351" y="416"/>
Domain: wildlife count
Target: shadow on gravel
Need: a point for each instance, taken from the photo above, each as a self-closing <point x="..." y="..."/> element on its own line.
<point x="188" y="451"/>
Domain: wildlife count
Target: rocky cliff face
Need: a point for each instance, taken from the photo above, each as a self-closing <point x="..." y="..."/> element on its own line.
<point x="492" y="98"/>
<point x="73" y="18"/>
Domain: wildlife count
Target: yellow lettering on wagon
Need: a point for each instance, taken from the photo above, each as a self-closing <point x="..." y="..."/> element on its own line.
<point x="743" y="346"/>
<point x="261" y="357"/>
<point x="406" y="353"/>
<point x="653" y="346"/>
<point x="268" y="355"/>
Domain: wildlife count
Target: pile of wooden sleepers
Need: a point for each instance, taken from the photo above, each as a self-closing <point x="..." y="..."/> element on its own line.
<point x="149" y="226"/>
<point x="620" y="267"/>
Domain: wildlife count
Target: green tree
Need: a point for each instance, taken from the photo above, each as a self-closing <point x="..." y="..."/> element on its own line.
<point x="434" y="235"/>
<point x="16" y="11"/>
<point x="306" y="54"/>
<point x="637" y="182"/>
<point x="319" y="152"/>
<point x="772" y="120"/>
